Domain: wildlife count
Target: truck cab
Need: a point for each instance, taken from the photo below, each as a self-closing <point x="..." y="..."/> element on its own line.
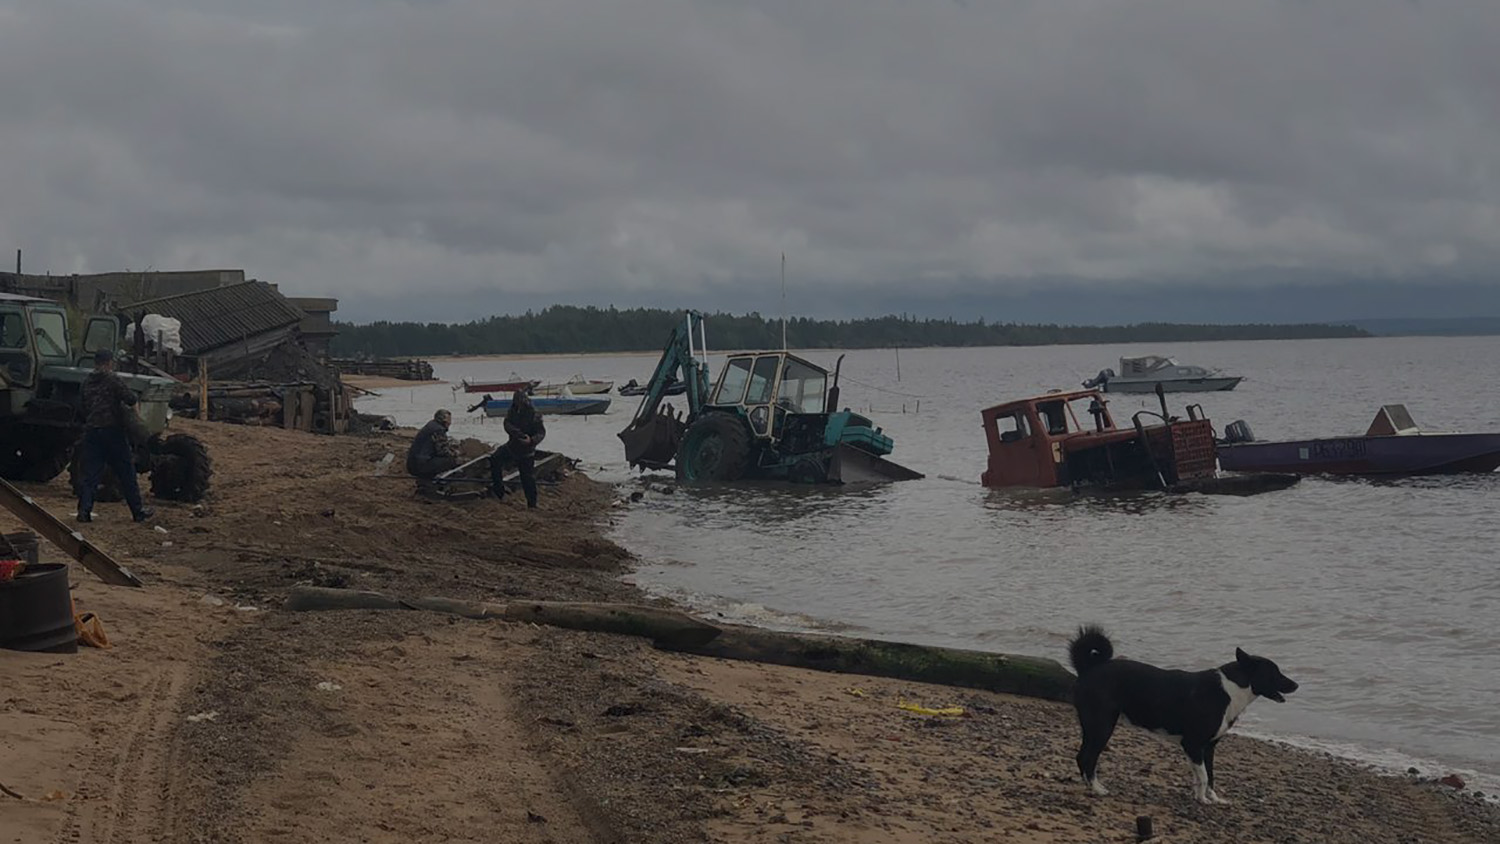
<point x="1069" y="439"/>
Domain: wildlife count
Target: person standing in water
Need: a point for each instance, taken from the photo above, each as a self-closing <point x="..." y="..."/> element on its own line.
<point x="524" y="425"/>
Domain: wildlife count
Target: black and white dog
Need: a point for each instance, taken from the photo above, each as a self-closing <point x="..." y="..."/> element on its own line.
<point x="1193" y="708"/>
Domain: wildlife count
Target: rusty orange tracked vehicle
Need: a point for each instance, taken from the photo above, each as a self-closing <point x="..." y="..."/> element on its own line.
<point x="1069" y="439"/>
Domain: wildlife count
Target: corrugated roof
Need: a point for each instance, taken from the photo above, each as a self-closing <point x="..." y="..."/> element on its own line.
<point x="223" y="315"/>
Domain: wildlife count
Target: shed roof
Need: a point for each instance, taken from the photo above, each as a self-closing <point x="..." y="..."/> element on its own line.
<point x="223" y="316"/>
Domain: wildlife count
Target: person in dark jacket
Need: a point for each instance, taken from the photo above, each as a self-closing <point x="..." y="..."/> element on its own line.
<point x="432" y="452"/>
<point x="524" y="425"/>
<point x="106" y="444"/>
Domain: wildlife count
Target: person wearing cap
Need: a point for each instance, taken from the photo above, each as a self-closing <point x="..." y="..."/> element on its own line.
<point x="106" y="445"/>
<point x="432" y="452"/>
<point x="524" y="425"/>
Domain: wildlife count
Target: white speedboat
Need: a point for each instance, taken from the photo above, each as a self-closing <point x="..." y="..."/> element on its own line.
<point x="1142" y="374"/>
<point x="577" y="385"/>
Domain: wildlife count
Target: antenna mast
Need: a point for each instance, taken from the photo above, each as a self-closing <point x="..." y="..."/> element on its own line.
<point x="783" y="301"/>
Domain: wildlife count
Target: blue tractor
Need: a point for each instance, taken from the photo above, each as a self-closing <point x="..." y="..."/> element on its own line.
<point x="770" y="416"/>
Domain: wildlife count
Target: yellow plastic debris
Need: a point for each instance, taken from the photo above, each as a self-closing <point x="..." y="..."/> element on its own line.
<point x="950" y="711"/>
<point x="856" y="691"/>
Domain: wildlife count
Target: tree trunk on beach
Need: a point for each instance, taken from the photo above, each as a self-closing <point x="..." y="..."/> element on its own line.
<point x="675" y="631"/>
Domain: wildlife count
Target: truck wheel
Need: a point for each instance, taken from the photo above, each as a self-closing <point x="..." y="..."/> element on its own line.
<point x="181" y="469"/>
<point x="715" y="448"/>
<point x="39" y="458"/>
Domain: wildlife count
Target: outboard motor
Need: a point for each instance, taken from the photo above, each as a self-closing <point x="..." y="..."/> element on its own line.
<point x="1238" y="432"/>
<point x="1099" y="380"/>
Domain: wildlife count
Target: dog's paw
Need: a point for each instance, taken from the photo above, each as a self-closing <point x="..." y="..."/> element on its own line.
<point x="1098" y="789"/>
<point x="1214" y="798"/>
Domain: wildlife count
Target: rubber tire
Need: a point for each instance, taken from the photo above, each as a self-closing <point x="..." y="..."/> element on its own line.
<point x="109" y="488"/>
<point x="808" y="470"/>
<point x="42" y="456"/>
<point x="716" y="447"/>
<point x="181" y="469"/>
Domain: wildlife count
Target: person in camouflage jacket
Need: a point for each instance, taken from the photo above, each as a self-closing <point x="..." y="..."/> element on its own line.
<point x="106" y="400"/>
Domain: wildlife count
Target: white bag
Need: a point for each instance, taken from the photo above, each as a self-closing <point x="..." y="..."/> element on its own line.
<point x="157" y="327"/>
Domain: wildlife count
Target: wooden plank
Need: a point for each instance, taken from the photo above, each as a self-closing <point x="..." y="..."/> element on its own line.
<point x="70" y="541"/>
<point x="203" y="389"/>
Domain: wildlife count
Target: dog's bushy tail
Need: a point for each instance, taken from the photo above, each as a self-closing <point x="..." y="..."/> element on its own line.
<point x="1090" y="648"/>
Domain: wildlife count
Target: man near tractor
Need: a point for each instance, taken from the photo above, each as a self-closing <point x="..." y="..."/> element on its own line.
<point x="106" y="400"/>
<point x="432" y="452"/>
<point x="524" y="425"/>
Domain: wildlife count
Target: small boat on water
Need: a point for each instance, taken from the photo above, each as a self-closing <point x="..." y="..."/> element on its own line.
<point x="515" y="383"/>
<point x="577" y="385"/>
<point x="1393" y="445"/>
<point x="631" y="388"/>
<point x="564" y="405"/>
<point x="1142" y="374"/>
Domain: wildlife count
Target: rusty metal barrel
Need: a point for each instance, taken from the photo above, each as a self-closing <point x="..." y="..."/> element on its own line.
<point x="36" y="611"/>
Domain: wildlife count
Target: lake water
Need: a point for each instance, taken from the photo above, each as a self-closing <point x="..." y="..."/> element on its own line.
<point x="1380" y="598"/>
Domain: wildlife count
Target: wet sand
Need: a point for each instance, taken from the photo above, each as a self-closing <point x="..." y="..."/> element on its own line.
<point x="217" y="717"/>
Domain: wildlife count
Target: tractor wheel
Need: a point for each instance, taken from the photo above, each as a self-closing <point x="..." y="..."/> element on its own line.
<point x="808" y="470"/>
<point x="40" y="458"/>
<point x="109" y="487"/>
<point x="715" y="448"/>
<point x="180" y="469"/>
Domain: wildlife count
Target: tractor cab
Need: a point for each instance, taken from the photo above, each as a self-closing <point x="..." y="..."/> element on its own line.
<point x="788" y="403"/>
<point x="769" y="386"/>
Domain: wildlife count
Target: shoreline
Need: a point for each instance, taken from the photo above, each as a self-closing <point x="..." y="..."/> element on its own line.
<point x="389" y="726"/>
<point x="1386" y="762"/>
<point x="435" y="359"/>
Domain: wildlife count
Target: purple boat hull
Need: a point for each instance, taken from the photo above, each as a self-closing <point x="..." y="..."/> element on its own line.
<point x="1412" y="454"/>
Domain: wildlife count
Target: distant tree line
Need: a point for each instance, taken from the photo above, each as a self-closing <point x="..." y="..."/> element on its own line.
<point x="564" y="329"/>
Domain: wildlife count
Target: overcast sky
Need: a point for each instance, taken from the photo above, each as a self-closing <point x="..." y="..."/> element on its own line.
<point x="656" y="150"/>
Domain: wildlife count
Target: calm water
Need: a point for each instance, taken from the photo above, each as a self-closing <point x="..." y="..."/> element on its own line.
<point x="1380" y="598"/>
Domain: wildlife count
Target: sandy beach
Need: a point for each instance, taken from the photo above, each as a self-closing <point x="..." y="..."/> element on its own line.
<point x="219" y="717"/>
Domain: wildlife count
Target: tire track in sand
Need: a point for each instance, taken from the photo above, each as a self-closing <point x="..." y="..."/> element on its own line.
<point x="133" y="799"/>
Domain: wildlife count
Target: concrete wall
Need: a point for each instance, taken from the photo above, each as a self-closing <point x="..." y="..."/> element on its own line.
<point x="100" y="291"/>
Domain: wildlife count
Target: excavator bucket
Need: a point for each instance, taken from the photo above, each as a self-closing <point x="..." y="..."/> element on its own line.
<point x="651" y="442"/>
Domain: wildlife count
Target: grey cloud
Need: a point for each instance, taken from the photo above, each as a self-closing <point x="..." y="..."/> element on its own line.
<point x="680" y="146"/>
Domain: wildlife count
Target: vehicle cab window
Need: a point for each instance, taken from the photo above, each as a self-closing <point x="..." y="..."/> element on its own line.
<point x="1054" y="416"/>
<point x="15" y="357"/>
<point x="51" y="331"/>
<point x="1013" y="427"/>
<point x="803" y="388"/>
<point x="762" y="380"/>
<point x="732" y="384"/>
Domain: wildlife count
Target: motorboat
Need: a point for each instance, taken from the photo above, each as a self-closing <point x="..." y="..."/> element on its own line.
<point x="1143" y="374"/>
<point x="577" y="385"/>
<point x="515" y="383"/>
<point x="1393" y="445"/>
<point x="563" y="405"/>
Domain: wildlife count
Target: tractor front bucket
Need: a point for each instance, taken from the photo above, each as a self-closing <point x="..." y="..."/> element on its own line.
<point x="851" y="465"/>
<point x="651" y="442"/>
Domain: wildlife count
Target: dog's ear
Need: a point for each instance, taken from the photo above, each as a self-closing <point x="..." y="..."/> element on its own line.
<point x="1241" y="657"/>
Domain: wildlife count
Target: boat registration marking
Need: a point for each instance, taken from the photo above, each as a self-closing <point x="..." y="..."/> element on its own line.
<point x="1338" y="449"/>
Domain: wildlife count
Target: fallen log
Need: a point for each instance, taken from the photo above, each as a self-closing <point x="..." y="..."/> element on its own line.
<point x="668" y="629"/>
<point x="313" y="598"/>
<point x="679" y="632"/>
<point x="1027" y="676"/>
